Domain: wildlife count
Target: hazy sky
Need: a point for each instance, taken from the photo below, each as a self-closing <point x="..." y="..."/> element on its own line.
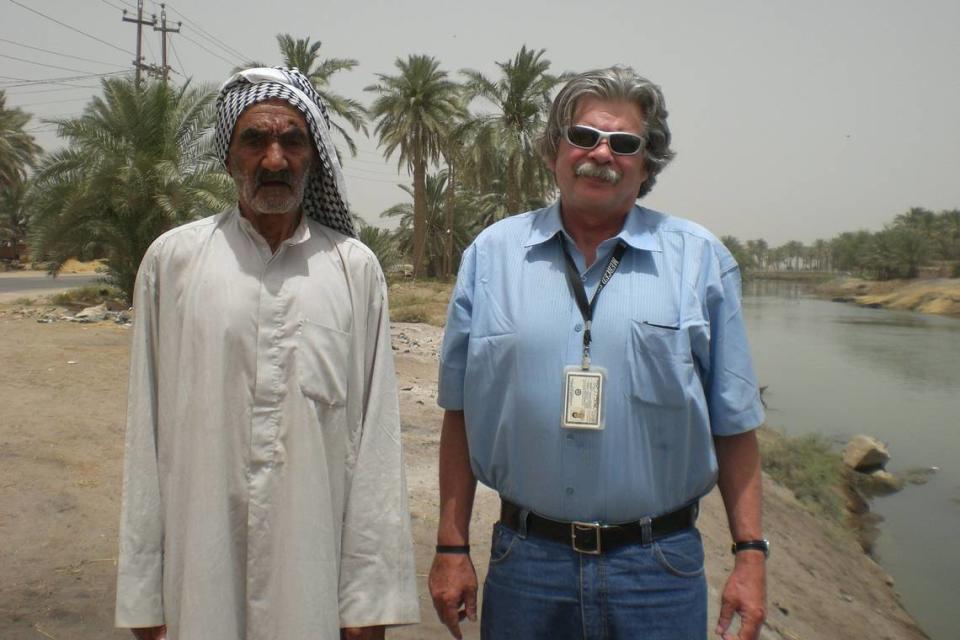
<point x="792" y="120"/>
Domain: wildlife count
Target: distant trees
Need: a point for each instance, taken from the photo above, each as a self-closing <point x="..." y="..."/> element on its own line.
<point x="915" y="239"/>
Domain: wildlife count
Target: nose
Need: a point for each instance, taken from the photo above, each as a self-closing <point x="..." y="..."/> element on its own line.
<point x="274" y="159"/>
<point x="601" y="154"/>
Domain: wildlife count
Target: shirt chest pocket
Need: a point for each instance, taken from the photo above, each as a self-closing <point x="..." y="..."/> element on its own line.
<point x="661" y="367"/>
<point x="322" y="361"/>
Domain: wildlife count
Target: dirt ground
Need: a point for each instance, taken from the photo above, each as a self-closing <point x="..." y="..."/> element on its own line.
<point x="62" y="394"/>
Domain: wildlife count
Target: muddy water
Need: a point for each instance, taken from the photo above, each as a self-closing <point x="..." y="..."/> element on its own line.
<point x="839" y="370"/>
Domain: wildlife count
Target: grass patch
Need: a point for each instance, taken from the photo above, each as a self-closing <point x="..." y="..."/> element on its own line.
<point x="90" y="295"/>
<point x="808" y="466"/>
<point x="420" y="301"/>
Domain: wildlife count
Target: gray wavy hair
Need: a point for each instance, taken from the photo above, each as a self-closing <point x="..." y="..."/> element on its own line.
<point x="615" y="83"/>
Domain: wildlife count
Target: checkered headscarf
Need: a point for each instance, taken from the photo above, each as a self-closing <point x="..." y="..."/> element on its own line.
<point x="325" y="195"/>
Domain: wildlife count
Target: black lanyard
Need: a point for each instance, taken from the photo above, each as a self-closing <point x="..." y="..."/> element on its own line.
<point x="580" y="293"/>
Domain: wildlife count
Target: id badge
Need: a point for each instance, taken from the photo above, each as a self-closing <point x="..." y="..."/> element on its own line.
<point x="583" y="398"/>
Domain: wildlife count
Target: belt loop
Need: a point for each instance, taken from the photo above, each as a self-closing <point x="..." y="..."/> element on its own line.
<point x="646" y="531"/>
<point x="694" y="512"/>
<point x="523" y="522"/>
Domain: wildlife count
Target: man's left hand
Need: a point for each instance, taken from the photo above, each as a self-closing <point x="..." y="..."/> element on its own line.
<point x="746" y="594"/>
<point x="363" y="633"/>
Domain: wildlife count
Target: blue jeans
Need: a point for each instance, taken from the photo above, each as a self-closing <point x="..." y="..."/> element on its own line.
<point x="536" y="588"/>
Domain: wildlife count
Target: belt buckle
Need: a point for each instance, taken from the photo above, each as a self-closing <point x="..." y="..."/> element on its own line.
<point x="583" y="527"/>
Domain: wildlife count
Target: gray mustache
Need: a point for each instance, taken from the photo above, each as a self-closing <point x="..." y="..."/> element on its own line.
<point x="265" y="175"/>
<point x="591" y="170"/>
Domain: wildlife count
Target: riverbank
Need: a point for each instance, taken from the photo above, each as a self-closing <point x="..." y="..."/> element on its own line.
<point x="939" y="296"/>
<point x="63" y="386"/>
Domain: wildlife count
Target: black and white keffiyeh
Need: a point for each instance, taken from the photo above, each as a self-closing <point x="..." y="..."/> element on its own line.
<point x="325" y="195"/>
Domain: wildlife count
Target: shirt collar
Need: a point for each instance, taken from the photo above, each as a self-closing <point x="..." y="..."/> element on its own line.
<point x="636" y="232"/>
<point x="300" y="234"/>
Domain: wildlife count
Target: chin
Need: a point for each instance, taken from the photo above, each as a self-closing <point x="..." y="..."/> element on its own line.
<point x="274" y="206"/>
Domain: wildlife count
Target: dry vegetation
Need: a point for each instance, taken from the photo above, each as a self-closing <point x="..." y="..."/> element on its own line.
<point x="936" y="296"/>
<point x="420" y="301"/>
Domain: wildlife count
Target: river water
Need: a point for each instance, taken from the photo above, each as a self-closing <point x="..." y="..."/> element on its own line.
<point x="839" y="370"/>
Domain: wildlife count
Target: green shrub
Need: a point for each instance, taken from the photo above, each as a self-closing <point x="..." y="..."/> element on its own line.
<point x="808" y="466"/>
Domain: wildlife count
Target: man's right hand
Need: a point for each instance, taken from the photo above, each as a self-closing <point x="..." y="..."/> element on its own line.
<point x="150" y="633"/>
<point x="453" y="582"/>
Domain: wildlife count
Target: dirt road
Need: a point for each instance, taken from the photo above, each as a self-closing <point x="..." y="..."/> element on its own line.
<point x="62" y="397"/>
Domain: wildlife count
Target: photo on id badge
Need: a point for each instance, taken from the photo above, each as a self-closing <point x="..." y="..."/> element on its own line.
<point x="583" y="397"/>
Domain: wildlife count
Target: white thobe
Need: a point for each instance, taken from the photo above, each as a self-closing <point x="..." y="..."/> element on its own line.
<point x="263" y="491"/>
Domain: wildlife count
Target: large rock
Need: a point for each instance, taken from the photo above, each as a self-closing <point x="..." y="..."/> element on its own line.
<point x="866" y="454"/>
<point x="92" y="314"/>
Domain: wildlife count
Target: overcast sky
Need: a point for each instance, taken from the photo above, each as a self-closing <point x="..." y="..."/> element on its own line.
<point x="792" y="120"/>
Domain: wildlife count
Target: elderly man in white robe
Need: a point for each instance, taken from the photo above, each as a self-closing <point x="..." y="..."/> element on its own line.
<point x="263" y="492"/>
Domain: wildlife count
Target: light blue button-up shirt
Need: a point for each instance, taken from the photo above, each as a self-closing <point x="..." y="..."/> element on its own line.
<point x="668" y="331"/>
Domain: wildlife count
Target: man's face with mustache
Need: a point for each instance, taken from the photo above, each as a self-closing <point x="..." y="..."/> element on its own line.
<point x="270" y="158"/>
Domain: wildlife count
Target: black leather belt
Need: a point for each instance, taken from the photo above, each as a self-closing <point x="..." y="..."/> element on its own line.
<point x="594" y="537"/>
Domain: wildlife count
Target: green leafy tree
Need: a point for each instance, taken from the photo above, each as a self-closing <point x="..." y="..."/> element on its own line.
<point x="412" y="109"/>
<point x="18" y="151"/>
<point x="13" y="215"/>
<point x="138" y="162"/>
<point x="382" y="242"/>
<point x="503" y="141"/>
<point x="462" y="232"/>
<point x="758" y="250"/>
<point x="739" y="252"/>
<point x="305" y="56"/>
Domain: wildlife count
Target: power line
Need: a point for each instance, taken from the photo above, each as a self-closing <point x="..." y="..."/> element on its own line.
<point x="41" y="64"/>
<point x="24" y="82"/>
<point x="57" y="53"/>
<point x="183" y="69"/>
<point x="196" y="26"/>
<point x="37" y="104"/>
<point x="189" y="39"/>
<point x="63" y="24"/>
<point x="57" y="90"/>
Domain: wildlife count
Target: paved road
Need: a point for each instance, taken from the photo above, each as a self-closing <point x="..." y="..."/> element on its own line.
<point x="36" y="283"/>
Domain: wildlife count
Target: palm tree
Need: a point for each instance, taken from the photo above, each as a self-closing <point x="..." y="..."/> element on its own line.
<point x="505" y="140"/>
<point x="412" y="109"/>
<point x="304" y="55"/>
<point x="460" y="234"/>
<point x="381" y="241"/>
<point x="18" y="151"/>
<point x="13" y="216"/>
<point x="139" y="161"/>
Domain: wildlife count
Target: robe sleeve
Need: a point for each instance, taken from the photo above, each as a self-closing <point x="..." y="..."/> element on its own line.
<point x="140" y="561"/>
<point x="377" y="573"/>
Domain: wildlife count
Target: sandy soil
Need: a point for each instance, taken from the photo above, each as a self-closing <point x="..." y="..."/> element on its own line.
<point x="62" y="390"/>
<point x="934" y="295"/>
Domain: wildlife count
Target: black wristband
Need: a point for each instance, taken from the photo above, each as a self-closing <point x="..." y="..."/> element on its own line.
<point x="748" y="545"/>
<point x="453" y="548"/>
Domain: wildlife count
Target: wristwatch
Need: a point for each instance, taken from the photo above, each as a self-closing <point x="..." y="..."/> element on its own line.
<point x="758" y="545"/>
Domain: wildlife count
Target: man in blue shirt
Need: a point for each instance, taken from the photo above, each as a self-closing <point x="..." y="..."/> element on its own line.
<point x="601" y="420"/>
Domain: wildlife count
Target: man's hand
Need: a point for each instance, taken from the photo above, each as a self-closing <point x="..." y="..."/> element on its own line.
<point x="363" y="633"/>
<point x="746" y="594"/>
<point x="453" y="582"/>
<point x="150" y="633"/>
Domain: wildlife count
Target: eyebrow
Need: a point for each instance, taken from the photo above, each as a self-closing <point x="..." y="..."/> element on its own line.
<point x="256" y="134"/>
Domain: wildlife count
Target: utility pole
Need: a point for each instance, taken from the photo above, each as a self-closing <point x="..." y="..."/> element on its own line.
<point x="138" y="63"/>
<point x="164" y="30"/>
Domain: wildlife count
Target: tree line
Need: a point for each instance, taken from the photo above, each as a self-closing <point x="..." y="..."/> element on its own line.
<point x="915" y="239"/>
<point x="139" y="161"/>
